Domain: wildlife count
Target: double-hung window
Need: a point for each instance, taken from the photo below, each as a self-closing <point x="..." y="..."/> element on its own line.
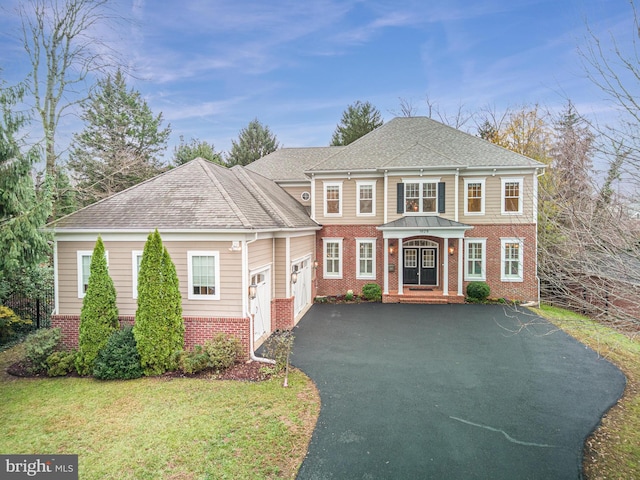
<point x="511" y="260"/>
<point x="366" y="198"/>
<point x="475" y="261"/>
<point x="366" y="258"/>
<point x="474" y="196"/>
<point x="204" y="275"/>
<point x="332" y="257"/>
<point x="136" y="260"/>
<point x="421" y="197"/>
<point x="84" y="270"/>
<point x="333" y="199"/>
<point x="512" y="196"/>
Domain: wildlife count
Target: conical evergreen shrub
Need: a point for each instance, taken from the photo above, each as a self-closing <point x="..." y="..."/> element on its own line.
<point x="99" y="314"/>
<point x="159" y="327"/>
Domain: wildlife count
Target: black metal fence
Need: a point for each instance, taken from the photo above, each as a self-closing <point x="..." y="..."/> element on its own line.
<point x="37" y="308"/>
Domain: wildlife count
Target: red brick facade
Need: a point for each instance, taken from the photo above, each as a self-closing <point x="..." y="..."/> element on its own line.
<point x="525" y="290"/>
<point x="282" y="313"/>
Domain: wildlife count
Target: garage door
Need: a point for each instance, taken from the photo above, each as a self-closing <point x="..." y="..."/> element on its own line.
<point x="302" y="288"/>
<point x="261" y="305"/>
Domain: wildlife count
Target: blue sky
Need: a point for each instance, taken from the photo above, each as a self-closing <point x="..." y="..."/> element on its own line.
<point x="212" y="66"/>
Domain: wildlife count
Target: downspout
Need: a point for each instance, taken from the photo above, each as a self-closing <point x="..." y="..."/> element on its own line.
<point x="56" y="289"/>
<point x="245" y="301"/>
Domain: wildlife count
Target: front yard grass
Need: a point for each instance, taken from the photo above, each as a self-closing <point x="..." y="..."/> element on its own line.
<point x="150" y="428"/>
<point x="613" y="451"/>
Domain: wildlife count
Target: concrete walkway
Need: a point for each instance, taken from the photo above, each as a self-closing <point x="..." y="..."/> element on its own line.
<point x="448" y="392"/>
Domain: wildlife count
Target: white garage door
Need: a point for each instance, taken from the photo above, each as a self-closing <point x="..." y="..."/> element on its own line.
<point x="261" y="305"/>
<point x="302" y="288"/>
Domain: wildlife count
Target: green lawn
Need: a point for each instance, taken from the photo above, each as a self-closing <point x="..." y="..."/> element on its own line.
<point x="614" y="450"/>
<point x="161" y="428"/>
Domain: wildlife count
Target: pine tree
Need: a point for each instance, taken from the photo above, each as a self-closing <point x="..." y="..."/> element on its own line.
<point x="185" y="152"/>
<point x="357" y="120"/>
<point x="159" y="327"/>
<point x="120" y="143"/>
<point x="22" y="211"/>
<point x="99" y="314"/>
<point x="254" y="142"/>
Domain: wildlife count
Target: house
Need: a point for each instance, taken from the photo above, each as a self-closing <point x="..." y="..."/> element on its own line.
<point x="416" y="206"/>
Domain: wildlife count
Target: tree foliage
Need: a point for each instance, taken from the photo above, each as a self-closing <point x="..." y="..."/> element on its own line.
<point x="120" y="143"/>
<point x="99" y="314"/>
<point x="357" y="120"/>
<point x="159" y="326"/>
<point x="63" y="47"/>
<point x="22" y="211"/>
<point x="254" y="142"/>
<point x="185" y="152"/>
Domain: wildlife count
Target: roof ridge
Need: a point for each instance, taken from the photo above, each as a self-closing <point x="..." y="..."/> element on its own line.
<point x="225" y="194"/>
<point x="257" y="193"/>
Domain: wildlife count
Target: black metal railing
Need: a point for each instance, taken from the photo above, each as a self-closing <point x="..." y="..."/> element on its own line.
<point x="38" y="308"/>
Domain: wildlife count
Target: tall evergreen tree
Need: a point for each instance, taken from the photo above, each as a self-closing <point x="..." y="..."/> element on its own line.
<point x="254" y="142"/>
<point x="120" y="143"/>
<point x="99" y="314"/>
<point x="357" y="120"/>
<point x="159" y="327"/>
<point x="22" y="211"/>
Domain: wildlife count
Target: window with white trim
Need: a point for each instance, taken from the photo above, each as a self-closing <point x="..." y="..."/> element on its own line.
<point x="474" y="196"/>
<point x="333" y="199"/>
<point x="474" y="267"/>
<point x="366" y="258"/>
<point x="136" y="260"/>
<point x="366" y="201"/>
<point x="332" y="257"/>
<point x="512" y="196"/>
<point x="84" y="270"/>
<point x="421" y="197"/>
<point x="511" y="264"/>
<point x="204" y="275"/>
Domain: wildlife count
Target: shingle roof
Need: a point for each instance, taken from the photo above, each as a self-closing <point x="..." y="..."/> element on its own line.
<point x="420" y="142"/>
<point x="289" y="164"/>
<point x="199" y="195"/>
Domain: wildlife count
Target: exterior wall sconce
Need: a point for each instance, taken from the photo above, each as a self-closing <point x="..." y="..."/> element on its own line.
<point x="294" y="276"/>
<point x="253" y="291"/>
<point x="391" y="250"/>
<point x="452" y="249"/>
<point x="315" y="264"/>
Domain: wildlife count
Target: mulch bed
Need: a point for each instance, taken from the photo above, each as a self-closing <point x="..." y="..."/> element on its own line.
<point x="247" y="372"/>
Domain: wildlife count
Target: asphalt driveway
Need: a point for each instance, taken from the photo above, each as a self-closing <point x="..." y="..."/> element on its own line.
<point x="448" y="392"/>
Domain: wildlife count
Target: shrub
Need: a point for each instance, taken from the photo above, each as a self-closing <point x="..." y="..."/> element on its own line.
<point x="192" y="361"/>
<point x="119" y="359"/>
<point x="223" y="351"/>
<point x="478" y="291"/>
<point x="10" y="323"/>
<point x="61" y="363"/>
<point x="279" y="347"/>
<point x="349" y="296"/>
<point x="372" y="292"/>
<point x="39" y="345"/>
<point x="99" y="314"/>
<point x="159" y="327"/>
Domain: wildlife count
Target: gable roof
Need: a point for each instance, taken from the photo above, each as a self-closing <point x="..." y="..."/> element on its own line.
<point x="289" y="164"/>
<point x="198" y="195"/>
<point x="420" y="142"/>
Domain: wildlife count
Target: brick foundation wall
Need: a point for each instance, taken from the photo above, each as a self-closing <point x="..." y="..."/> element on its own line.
<point x="197" y="329"/>
<point x="282" y="317"/>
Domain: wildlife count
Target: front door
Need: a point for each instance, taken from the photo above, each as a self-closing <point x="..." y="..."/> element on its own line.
<point x="420" y="266"/>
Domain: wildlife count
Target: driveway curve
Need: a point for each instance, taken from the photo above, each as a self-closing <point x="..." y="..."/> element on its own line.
<point x="448" y="391"/>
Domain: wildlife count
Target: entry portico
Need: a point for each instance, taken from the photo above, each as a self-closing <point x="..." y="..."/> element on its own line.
<point x="423" y="243"/>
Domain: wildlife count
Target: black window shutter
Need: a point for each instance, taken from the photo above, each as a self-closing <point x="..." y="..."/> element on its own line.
<point x="440" y="197"/>
<point x="400" y="208"/>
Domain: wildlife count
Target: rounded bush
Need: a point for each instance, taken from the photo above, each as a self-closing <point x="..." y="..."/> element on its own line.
<point x="119" y="359"/>
<point x="372" y="292"/>
<point x="478" y="291"/>
<point x="39" y="345"/>
<point x="223" y="351"/>
<point x="61" y="363"/>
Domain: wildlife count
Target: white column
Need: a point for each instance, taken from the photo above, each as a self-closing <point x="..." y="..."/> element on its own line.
<point x="460" y="264"/>
<point x="386" y="266"/>
<point x="445" y="268"/>
<point x="400" y="263"/>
